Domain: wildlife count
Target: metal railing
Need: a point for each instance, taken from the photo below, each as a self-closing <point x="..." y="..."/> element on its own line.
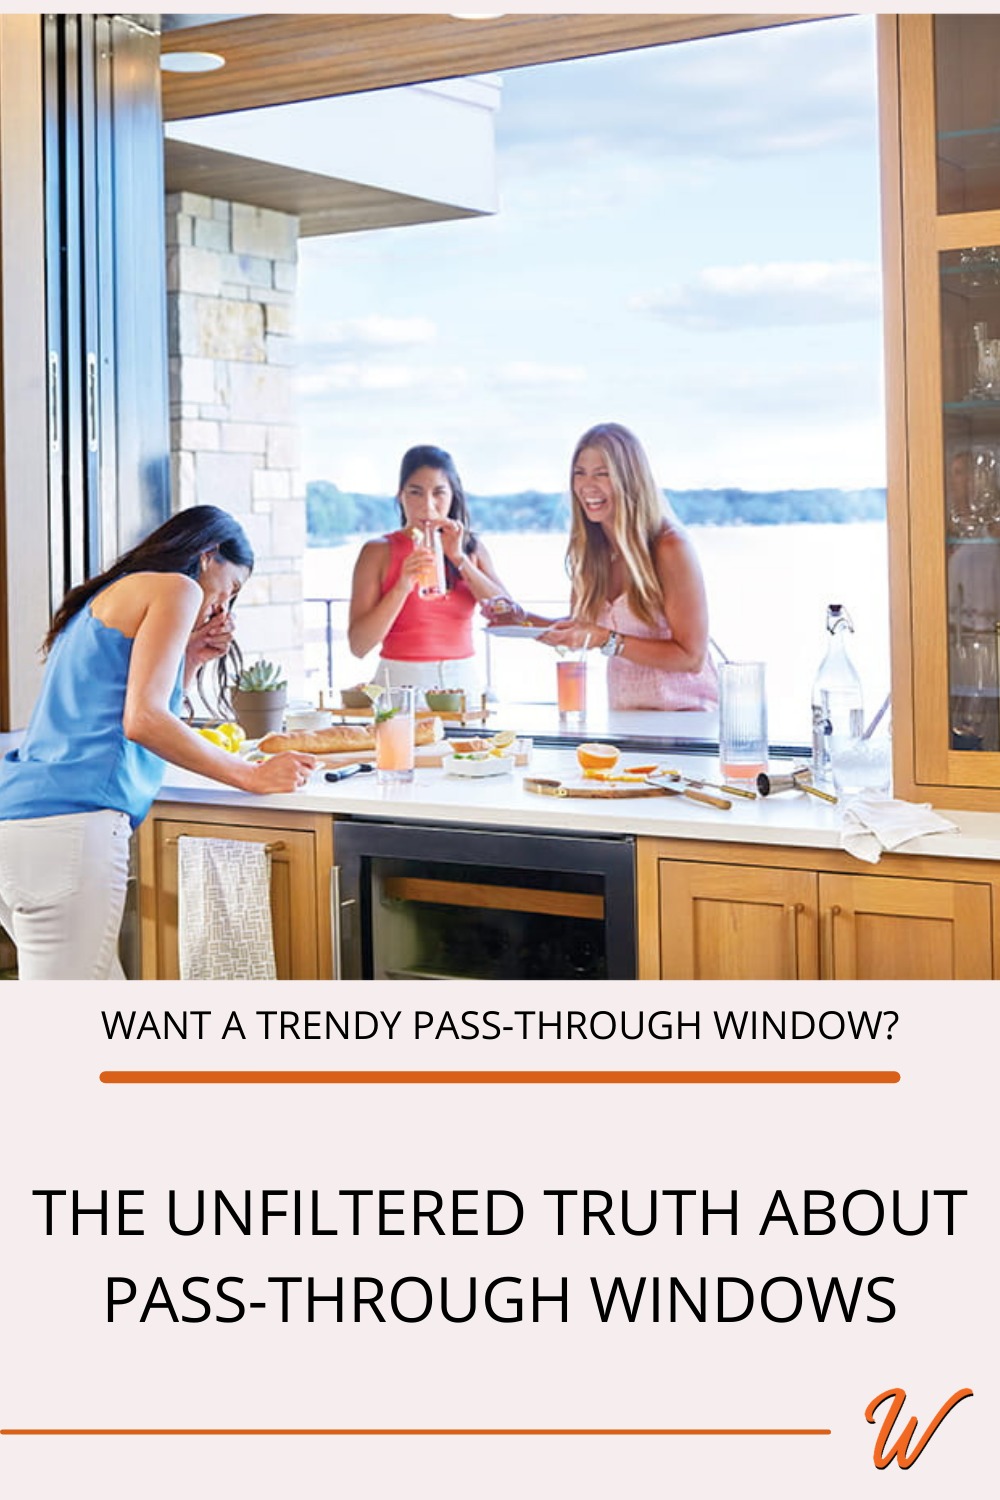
<point x="330" y="634"/>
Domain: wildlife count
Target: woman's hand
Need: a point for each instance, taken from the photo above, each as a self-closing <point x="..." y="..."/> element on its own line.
<point x="500" y="610"/>
<point x="452" y="534"/>
<point x="413" y="568"/>
<point x="208" y="641"/>
<point x="285" y="772"/>
<point x="574" y="634"/>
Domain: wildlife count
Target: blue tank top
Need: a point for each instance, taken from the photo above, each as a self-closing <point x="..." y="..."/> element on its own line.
<point x="74" y="756"/>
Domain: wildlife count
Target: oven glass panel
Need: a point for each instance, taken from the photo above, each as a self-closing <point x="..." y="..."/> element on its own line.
<point x="440" y="920"/>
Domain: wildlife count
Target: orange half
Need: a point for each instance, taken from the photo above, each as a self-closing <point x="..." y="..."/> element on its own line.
<point x="594" y="757"/>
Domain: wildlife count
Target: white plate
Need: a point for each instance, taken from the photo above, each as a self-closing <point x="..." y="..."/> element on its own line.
<point x="493" y="765"/>
<point x="518" y="632"/>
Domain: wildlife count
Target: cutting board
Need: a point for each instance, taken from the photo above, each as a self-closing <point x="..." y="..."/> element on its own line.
<point x="549" y="787"/>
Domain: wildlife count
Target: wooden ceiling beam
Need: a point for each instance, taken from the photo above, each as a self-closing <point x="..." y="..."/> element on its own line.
<point x="281" y="58"/>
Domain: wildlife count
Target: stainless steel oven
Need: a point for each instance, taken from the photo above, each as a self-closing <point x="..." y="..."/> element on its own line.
<point x="415" y="901"/>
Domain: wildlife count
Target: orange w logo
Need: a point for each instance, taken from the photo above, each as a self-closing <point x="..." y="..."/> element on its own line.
<point x="899" y="1450"/>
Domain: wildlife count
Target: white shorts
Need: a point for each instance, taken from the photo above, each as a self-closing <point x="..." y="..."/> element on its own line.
<point x="62" y="893"/>
<point x="429" y="674"/>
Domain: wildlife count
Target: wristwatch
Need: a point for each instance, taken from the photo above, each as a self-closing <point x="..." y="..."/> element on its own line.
<point x="614" y="645"/>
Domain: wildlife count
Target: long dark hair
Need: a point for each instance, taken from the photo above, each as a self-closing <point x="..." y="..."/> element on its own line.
<point x="175" y="547"/>
<point x="425" y="456"/>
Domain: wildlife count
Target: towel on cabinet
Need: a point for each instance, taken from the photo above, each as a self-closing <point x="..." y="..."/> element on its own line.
<point x="224" y="909"/>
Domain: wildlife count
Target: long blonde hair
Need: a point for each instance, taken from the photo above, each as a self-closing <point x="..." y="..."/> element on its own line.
<point x="640" y="518"/>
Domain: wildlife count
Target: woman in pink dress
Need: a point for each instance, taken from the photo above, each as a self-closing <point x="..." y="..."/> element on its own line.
<point x="636" y="589"/>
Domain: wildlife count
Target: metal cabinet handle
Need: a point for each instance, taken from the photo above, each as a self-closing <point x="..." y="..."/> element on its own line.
<point x="792" y="913"/>
<point x="829" y="917"/>
<point x="54" y="432"/>
<point x="92" y="402"/>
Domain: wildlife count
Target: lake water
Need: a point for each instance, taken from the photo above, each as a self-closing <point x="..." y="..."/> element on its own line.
<point x="768" y="588"/>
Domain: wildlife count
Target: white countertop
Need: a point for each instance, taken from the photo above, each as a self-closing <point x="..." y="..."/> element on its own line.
<point x="790" y="819"/>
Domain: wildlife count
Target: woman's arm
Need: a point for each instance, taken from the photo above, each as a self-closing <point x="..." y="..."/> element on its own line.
<point x="168" y="615"/>
<point x="684" y="605"/>
<point x="480" y="574"/>
<point x="372" y="613"/>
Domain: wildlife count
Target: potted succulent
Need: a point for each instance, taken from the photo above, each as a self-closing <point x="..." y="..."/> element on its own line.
<point x="259" y="699"/>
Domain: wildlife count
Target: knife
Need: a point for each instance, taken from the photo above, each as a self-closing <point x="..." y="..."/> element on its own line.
<point x="345" y="771"/>
<point x="719" y="786"/>
<point x="686" y="791"/>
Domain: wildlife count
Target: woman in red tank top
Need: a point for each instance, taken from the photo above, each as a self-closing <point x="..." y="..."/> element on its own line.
<point x="426" y="641"/>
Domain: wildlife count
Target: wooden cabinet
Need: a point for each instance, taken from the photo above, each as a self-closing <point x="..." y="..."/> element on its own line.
<point x="941" y="250"/>
<point x="301" y="862"/>
<point x="714" y="911"/>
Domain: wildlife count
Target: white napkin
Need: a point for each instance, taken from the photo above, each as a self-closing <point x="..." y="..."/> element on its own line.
<point x="224" y="909"/>
<point x="872" y="822"/>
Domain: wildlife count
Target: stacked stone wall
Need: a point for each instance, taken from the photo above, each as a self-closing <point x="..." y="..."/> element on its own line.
<point x="231" y="271"/>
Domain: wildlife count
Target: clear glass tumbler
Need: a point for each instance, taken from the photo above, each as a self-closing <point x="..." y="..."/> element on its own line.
<point x="742" y="720"/>
<point x="571" y="687"/>
<point x="432" y="583"/>
<point x="394" y="734"/>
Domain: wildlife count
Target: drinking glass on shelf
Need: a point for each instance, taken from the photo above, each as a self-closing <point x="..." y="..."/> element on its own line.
<point x="394" y="734"/>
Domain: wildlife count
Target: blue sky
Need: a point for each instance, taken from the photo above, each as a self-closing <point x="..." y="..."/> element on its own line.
<point x="688" y="242"/>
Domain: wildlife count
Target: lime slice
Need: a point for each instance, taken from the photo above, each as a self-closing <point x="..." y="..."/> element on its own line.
<point x="372" y="691"/>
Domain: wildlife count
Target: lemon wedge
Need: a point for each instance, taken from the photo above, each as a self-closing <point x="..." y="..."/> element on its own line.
<point x="503" y="740"/>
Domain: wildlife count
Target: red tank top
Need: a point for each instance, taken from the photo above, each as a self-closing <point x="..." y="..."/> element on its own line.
<point x="427" y="629"/>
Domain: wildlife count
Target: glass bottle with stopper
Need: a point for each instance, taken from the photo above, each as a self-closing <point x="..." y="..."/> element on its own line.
<point x="837" y="703"/>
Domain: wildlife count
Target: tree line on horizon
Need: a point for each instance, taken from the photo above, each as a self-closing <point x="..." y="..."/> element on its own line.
<point x="332" y="514"/>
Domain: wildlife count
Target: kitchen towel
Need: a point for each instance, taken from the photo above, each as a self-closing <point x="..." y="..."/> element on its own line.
<point x="224" y="909"/>
<point x="872" y="822"/>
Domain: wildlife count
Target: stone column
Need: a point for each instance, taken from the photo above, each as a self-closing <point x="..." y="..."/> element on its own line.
<point x="234" y="441"/>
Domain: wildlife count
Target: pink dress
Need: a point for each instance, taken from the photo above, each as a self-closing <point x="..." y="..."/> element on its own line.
<point x="633" y="686"/>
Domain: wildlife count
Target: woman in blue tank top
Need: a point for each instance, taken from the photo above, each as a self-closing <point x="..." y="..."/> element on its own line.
<point x="121" y="650"/>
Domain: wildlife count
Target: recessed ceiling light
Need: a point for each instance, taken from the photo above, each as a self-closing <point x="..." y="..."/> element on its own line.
<point x="191" y="62"/>
<point x="476" y="15"/>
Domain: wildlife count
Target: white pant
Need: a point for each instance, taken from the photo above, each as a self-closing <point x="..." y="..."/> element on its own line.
<point x="62" y="893"/>
<point x="430" y="674"/>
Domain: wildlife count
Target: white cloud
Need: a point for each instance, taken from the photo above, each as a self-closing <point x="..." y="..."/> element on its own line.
<point x="377" y="332"/>
<point x="359" y="376"/>
<point x="526" y="372"/>
<point x="775" y="294"/>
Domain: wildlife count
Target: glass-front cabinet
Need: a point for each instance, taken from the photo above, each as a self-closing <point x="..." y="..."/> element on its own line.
<point x="940" y="80"/>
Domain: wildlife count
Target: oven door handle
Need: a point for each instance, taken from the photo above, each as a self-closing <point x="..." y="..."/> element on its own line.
<point x="336" y="922"/>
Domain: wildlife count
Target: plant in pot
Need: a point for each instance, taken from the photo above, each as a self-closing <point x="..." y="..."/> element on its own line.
<point x="259" y="699"/>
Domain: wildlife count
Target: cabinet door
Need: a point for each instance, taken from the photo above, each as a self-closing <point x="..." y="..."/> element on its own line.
<point x="294" y="907"/>
<point x="736" y="922"/>
<point x="880" y="927"/>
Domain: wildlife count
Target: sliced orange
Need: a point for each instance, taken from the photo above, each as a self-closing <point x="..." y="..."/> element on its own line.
<point x="595" y="757"/>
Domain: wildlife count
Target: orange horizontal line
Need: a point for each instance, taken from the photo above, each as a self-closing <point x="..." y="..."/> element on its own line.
<point x="415" y="1432"/>
<point x="432" y="1076"/>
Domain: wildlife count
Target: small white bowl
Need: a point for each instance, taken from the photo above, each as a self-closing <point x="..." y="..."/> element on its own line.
<point x="488" y="765"/>
<point x="300" y="720"/>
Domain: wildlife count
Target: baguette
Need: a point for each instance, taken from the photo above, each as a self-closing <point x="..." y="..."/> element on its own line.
<point x="342" y="739"/>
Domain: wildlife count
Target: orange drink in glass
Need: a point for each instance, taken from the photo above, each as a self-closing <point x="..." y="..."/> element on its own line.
<point x="394" y="734"/>
<point x="431" y="584"/>
<point x="571" y="688"/>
